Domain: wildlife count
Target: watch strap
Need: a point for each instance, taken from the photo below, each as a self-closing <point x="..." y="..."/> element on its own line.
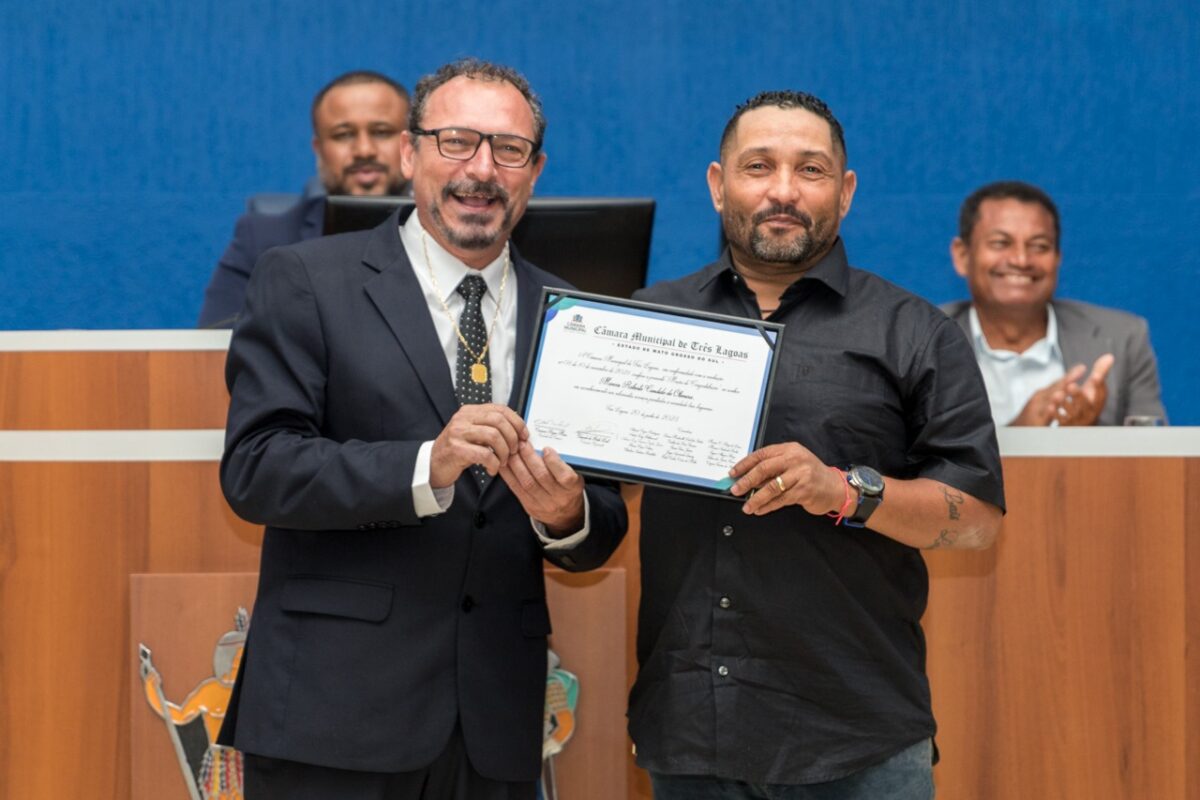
<point x="867" y="501"/>
<point x="866" y="507"/>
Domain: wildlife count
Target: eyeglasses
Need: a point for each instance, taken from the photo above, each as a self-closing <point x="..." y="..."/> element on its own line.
<point x="461" y="144"/>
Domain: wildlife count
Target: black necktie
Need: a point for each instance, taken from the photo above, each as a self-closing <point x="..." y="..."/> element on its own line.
<point x="467" y="368"/>
<point x="471" y="327"/>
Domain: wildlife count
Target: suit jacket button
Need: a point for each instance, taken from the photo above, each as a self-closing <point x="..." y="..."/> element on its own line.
<point x="467" y="604"/>
<point x="480" y="519"/>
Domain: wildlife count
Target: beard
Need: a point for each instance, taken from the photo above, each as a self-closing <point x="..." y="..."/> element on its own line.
<point x="747" y="234"/>
<point x="474" y="233"/>
<point x="394" y="182"/>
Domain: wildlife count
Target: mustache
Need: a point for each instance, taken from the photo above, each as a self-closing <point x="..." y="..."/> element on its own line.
<point x="782" y="211"/>
<point x="488" y="189"/>
<point x="366" y="163"/>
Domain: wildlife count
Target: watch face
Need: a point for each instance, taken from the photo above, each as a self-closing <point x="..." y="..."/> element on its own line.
<point x="867" y="479"/>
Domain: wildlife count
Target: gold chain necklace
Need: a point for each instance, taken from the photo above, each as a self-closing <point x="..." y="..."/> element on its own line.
<point x="479" y="373"/>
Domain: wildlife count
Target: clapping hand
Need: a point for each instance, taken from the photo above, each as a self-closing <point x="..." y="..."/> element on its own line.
<point x="1068" y="401"/>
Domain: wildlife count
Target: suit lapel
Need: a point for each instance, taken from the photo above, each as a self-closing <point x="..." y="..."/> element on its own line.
<point x="398" y="297"/>
<point x="1081" y="340"/>
<point x="529" y="296"/>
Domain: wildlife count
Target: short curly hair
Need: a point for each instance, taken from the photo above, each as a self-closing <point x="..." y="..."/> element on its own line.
<point x="788" y="99"/>
<point x="477" y="69"/>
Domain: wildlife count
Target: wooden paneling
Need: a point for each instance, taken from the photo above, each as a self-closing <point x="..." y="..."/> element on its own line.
<point x="62" y="624"/>
<point x="1057" y="659"/>
<point x="70" y="536"/>
<point x="187" y="389"/>
<point x="628" y="556"/>
<point x="73" y="390"/>
<point x="1191" y="528"/>
<point x="587" y="611"/>
<point x="112" y="390"/>
<point x="190" y="527"/>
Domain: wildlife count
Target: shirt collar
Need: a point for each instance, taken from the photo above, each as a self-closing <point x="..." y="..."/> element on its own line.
<point x="446" y="268"/>
<point x="832" y="270"/>
<point x="1043" y="351"/>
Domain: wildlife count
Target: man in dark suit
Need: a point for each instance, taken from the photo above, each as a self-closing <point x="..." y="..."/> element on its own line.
<point x="357" y="120"/>
<point x="398" y="643"/>
<point x="1043" y="360"/>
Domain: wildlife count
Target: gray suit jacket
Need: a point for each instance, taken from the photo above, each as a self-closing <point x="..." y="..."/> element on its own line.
<point x="1086" y="332"/>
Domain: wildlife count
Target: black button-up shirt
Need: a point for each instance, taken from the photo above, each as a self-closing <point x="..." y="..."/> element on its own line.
<point x="784" y="648"/>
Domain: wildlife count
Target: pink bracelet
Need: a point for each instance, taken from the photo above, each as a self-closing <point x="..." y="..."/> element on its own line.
<point x="841" y="514"/>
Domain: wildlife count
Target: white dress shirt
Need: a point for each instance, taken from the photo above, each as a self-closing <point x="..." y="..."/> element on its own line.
<point x="1012" y="378"/>
<point x="439" y="278"/>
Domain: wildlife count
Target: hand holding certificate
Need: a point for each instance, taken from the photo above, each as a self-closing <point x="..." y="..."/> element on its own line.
<point x="647" y="393"/>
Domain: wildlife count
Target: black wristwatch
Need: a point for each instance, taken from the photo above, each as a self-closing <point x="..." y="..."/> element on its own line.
<point x="869" y="485"/>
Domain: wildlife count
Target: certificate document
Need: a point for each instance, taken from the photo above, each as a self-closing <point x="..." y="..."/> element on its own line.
<point x="646" y="393"/>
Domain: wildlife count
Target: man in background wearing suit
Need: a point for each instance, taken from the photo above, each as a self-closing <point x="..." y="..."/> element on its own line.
<point x="1034" y="351"/>
<point x="398" y="644"/>
<point x="357" y="120"/>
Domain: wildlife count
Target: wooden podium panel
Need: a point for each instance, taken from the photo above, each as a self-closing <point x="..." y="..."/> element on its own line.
<point x="587" y="611"/>
<point x="72" y="530"/>
<point x="112" y="390"/>
<point x="1063" y="662"/>
<point x="181" y="617"/>
<point x="70" y="536"/>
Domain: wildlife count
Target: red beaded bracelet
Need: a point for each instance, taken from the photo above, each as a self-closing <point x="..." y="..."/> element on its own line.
<point x="840" y="515"/>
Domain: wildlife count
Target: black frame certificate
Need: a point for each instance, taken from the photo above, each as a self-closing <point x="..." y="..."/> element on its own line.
<point x="647" y="393"/>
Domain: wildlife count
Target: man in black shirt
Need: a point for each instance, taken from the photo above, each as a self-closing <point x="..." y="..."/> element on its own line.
<point x="779" y="637"/>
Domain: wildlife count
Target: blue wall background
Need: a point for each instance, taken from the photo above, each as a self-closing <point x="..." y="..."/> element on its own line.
<point x="132" y="132"/>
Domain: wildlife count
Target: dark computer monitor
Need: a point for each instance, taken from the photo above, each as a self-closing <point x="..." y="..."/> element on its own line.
<point x="598" y="244"/>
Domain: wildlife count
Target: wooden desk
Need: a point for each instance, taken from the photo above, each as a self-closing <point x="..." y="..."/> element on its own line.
<point x="1065" y="662"/>
<point x="108" y="449"/>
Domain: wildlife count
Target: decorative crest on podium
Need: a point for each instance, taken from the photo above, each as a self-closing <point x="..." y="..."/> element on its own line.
<point x="212" y="772"/>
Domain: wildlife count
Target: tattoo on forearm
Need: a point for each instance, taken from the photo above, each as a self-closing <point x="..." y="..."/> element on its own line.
<point x="946" y="538"/>
<point x="953" y="501"/>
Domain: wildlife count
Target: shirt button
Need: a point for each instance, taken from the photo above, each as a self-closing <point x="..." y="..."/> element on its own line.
<point x="725" y="602"/>
<point x="467" y="604"/>
<point x="722" y="670"/>
<point x="727" y="530"/>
